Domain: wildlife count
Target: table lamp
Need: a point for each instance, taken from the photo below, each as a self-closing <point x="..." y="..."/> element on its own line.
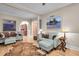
<point x="40" y="31"/>
<point x="65" y="30"/>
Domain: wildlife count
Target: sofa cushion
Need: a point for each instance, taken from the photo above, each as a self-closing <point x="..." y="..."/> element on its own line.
<point x="45" y="36"/>
<point x="40" y="39"/>
<point x="46" y="43"/>
<point x="6" y="34"/>
<point x="52" y="34"/>
<point x="56" y="42"/>
<point x="12" y="34"/>
<point x="1" y="35"/>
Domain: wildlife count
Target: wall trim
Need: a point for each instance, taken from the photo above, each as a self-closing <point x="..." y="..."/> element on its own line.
<point x="73" y="48"/>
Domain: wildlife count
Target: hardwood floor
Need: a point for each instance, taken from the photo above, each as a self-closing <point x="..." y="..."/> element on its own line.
<point x="5" y="48"/>
<point x="68" y="52"/>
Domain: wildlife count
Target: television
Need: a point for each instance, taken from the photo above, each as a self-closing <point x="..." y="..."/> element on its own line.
<point x="9" y="25"/>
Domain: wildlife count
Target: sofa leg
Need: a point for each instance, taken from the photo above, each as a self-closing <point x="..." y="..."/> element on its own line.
<point x="47" y="52"/>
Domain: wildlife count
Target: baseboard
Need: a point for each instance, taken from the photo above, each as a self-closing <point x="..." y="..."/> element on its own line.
<point x="73" y="48"/>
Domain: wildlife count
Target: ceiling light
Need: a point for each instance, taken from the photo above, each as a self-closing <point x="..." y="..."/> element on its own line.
<point x="43" y="4"/>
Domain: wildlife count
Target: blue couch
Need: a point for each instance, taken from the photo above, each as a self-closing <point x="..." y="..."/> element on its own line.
<point x="48" y="44"/>
<point x="13" y="39"/>
<point x="9" y="40"/>
<point x="19" y="37"/>
<point x="2" y="40"/>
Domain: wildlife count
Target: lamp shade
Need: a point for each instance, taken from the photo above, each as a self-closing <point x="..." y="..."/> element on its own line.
<point x="40" y="31"/>
<point x="65" y="30"/>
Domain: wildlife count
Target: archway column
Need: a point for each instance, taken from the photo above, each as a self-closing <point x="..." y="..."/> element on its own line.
<point x="30" y="28"/>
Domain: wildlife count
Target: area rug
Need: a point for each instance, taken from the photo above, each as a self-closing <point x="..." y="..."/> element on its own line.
<point x="23" y="49"/>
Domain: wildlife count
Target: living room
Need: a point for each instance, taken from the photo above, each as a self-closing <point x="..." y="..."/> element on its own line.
<point x="28" y="29"/>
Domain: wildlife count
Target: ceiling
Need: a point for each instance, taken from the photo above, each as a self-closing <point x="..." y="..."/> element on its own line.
<point x="30" y="10"/>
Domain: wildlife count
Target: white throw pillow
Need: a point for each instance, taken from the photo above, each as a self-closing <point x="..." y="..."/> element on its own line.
<point x="59" y="35"/>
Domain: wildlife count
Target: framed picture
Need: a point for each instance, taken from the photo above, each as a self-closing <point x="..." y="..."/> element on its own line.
<point x="9" y="25"/>
<point x="54" y="22"/>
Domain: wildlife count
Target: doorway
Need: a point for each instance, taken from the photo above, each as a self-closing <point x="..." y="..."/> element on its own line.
<point x="24" y="28"/>
<point x="34" y="28"/>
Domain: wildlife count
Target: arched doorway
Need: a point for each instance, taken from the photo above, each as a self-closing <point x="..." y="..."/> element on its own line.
<point x="24" y="28"/>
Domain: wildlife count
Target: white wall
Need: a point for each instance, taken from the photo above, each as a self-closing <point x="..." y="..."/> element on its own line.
<point x="70" y="17"/>
<point x="70" y="20"/>
<point x="73" y="41"/>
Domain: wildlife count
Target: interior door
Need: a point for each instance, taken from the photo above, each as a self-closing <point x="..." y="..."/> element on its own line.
<point x="34" y="28"/>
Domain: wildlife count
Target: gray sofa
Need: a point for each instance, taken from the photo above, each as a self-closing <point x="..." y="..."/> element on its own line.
<point x="48" y="44"/>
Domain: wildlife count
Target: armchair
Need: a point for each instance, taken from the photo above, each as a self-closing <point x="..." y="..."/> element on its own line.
<point x="48" y="44"/>
<point x="19" y="37"/>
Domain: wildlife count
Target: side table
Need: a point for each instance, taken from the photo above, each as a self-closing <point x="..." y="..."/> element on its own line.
<point x="35" y="37"/>
<point x="62" y="44"/>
